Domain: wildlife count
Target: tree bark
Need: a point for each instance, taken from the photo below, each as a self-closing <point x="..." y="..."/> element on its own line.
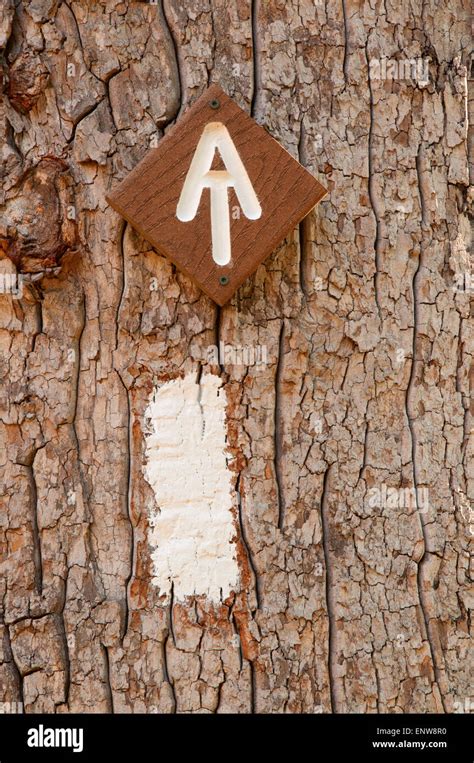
<point x="354" y="592"/>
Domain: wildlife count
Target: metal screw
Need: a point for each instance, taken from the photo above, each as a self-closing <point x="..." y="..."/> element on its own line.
<point x="214" y="104"/>
<point x="223" y="280"/>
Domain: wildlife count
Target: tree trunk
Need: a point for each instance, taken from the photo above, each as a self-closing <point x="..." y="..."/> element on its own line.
<point x="283" y="526"/>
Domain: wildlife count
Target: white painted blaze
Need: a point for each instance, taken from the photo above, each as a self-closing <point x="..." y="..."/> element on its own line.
<point x="192" y="531"/>
<point x="216" y="136"/>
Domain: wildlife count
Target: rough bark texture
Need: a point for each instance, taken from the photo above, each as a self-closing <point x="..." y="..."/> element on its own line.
<point x="343" y="606"/>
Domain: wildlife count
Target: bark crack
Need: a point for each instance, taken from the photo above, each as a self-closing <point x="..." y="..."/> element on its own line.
<point x="278" y="428"/>
<point x="108" y="685"/>
<point x="302" y="228"/>
<point x="372" y="190"/>
<point x="128" y="477"/>
<point x="246" y="543"/>
<point x="345" y="63"/>
<point x="256" y="57"/>
<point x="336" y="700"/>
<point x="177" y="56"/>
<point x="422" y="577"/>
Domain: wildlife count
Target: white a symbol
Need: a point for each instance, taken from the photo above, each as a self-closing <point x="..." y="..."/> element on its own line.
<point x="215" y="135"/>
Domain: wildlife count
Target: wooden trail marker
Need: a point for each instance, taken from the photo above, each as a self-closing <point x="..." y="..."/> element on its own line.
<point x="217" y="195"/>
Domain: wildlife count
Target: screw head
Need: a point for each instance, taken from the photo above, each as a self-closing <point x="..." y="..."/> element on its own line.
<point x="215" y="103"/>
<point x="223" y="280"/>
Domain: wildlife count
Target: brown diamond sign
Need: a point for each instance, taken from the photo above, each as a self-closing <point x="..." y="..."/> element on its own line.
<point x="217" y="195"/>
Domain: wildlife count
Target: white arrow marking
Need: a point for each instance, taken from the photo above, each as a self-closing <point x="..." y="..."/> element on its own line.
<point x="200" y="176"/>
